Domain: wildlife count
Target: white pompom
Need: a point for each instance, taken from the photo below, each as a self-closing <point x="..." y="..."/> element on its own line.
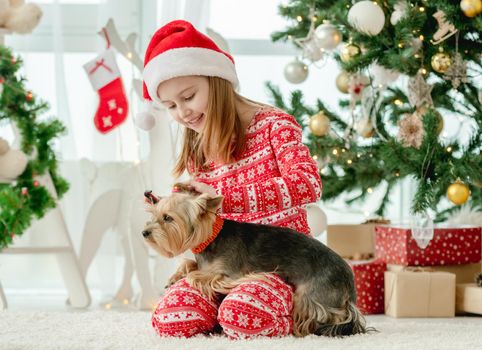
<point x="145" y="120"/>
<point x="367" y="17"/>
<point x="317" y="220"/>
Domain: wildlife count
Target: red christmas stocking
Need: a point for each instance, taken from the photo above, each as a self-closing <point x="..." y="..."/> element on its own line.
<point x="105" y="78"/>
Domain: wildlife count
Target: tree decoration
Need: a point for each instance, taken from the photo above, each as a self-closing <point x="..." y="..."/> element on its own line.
<point x="366" y="17"/>
<point x="311" y="49"/>
<point x="457" y="72"/>
<point x="458" y="192"/>
<point x="23" y="198"/>
<point x="445" y="30"/>
<point x="364" y="128"/>
<point x="400" y="11"/>
<point x="296" y="72"/>
<point x="343" y="81"/>
<point x="349" y="51"/>
<point x="471" y="8"/>
<point x="356" y="85"/>
<point x="441" y="62"/>
<point x="411" y="131"/>
<point x="327" y="36"/>
<point x="419" y="92"/>
<point x="319" y="124"/>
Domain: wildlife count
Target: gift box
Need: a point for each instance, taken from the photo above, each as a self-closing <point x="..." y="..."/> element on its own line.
<point x="449" y="246"/>
<point x="463" y="273"/>
<point x="419" y="294"/>
<point x="351" y="241"/>
<point x="369" y="284"/>
<point x="469" y="298"/>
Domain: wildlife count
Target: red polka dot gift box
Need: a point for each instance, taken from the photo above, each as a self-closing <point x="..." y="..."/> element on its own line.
<point x="449" y="246"/>
<point x="369" y="284"/>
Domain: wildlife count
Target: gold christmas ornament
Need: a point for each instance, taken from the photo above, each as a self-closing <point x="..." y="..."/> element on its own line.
<point x="458" y="192"/>
<point x="343" y="82"/>
<point x="471" y="8"/>
<point x="349" y="51"/>
<point x="319" y="124"/>
<point x="364" y="128"/>
<point x="441" y="62"/>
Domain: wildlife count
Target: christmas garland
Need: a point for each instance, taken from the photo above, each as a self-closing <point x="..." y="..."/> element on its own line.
<point x="25" y="199"/>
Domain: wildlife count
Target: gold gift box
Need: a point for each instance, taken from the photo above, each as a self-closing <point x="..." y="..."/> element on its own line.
<point x="463" y="273"/>
<point x="419" y="294"/>
<point x="352" y="240"/>
<point x="469" y="298"/>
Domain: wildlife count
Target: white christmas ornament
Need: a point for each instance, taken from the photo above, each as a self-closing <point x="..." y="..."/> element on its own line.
<point x="317" y="220"/>
<point x="400" y="10"/>
<point x="145" y="120"/>
<point x="12" y="162"/>
<point x="296" y="72"/>
<point x="327" y="36"/>
<point x="382" y="75"/>
<point x="366" y="17"/>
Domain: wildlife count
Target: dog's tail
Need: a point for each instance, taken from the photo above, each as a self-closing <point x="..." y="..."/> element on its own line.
<point x="349" y="321"/>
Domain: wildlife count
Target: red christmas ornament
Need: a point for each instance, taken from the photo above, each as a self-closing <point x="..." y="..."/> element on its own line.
<point x="2" y="80"/>
<point x="36" y="183"/>
<point x="29" y="96"/>
<point x="24" y="191"/>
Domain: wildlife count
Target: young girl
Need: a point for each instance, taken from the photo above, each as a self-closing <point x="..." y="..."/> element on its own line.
<point x="248" y="152"/>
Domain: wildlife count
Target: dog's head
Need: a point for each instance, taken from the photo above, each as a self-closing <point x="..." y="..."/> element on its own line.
<point x="180" y="221"/>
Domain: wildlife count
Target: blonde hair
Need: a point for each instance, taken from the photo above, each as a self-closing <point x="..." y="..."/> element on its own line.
<point x="223" y="136"/>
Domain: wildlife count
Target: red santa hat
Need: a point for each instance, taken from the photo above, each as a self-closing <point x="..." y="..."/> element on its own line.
<point x="178" y="49"/>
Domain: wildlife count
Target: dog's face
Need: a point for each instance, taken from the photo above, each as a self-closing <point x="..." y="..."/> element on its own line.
<point x="180" y="222"/>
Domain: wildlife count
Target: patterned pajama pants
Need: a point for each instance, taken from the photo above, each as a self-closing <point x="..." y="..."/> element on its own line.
<point x="254" y="308"/>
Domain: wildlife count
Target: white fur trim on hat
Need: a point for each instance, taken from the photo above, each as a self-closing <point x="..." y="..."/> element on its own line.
<point x="184" y="62"/>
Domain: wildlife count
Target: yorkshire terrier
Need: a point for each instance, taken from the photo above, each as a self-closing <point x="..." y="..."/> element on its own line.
<point x="229" y="252"/>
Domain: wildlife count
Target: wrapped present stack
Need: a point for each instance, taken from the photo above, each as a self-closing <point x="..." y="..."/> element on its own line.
<point x="356" y="244"/>
<point x="422" y="282"/>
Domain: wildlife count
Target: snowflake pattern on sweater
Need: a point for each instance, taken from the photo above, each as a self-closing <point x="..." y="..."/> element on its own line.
<point x="274" y="178"/>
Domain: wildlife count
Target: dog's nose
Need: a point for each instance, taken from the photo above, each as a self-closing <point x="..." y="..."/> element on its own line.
<point x="146" y="233"/>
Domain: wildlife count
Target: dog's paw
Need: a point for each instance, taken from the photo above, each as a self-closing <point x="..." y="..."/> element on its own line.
<point x="174" y="278"/>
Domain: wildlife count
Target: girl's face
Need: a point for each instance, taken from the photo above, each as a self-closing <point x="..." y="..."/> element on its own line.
<point x="186" y="99"/>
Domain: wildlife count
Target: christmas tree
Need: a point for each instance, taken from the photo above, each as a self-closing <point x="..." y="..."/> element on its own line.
<point x="406" y="66"/>
<point x="22" y="197"/>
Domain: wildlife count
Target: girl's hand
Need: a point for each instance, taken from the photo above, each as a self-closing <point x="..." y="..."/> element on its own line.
<point x="203" y="188"/>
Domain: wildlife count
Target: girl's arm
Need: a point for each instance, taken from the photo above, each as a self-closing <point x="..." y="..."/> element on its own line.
<point x="298" y="184"/>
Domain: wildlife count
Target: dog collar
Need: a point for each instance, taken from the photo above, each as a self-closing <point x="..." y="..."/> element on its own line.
<point x="217" y="226"/>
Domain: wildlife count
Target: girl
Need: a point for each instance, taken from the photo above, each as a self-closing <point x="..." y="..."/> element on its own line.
<point x="248" y="152"/>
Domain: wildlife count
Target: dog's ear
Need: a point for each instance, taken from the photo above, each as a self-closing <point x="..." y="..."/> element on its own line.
<point x="208" y="203"/>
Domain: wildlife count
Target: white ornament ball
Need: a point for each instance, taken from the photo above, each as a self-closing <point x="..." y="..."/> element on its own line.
<point x="12" y="164"/>
<point x="296" y="72"/>
<point x="145" y="120"/>
<point x="4" y="147"/>
<point x="366" y="17"/>
<point x="382" y="75"/>
<point x="317" y="220"/>
<point x="327" y="36"/>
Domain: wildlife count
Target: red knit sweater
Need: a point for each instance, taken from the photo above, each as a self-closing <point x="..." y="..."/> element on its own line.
<point x="273" y="179"/>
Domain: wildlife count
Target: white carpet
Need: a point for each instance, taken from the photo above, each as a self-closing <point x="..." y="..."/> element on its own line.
<point x="132" y="330"/>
